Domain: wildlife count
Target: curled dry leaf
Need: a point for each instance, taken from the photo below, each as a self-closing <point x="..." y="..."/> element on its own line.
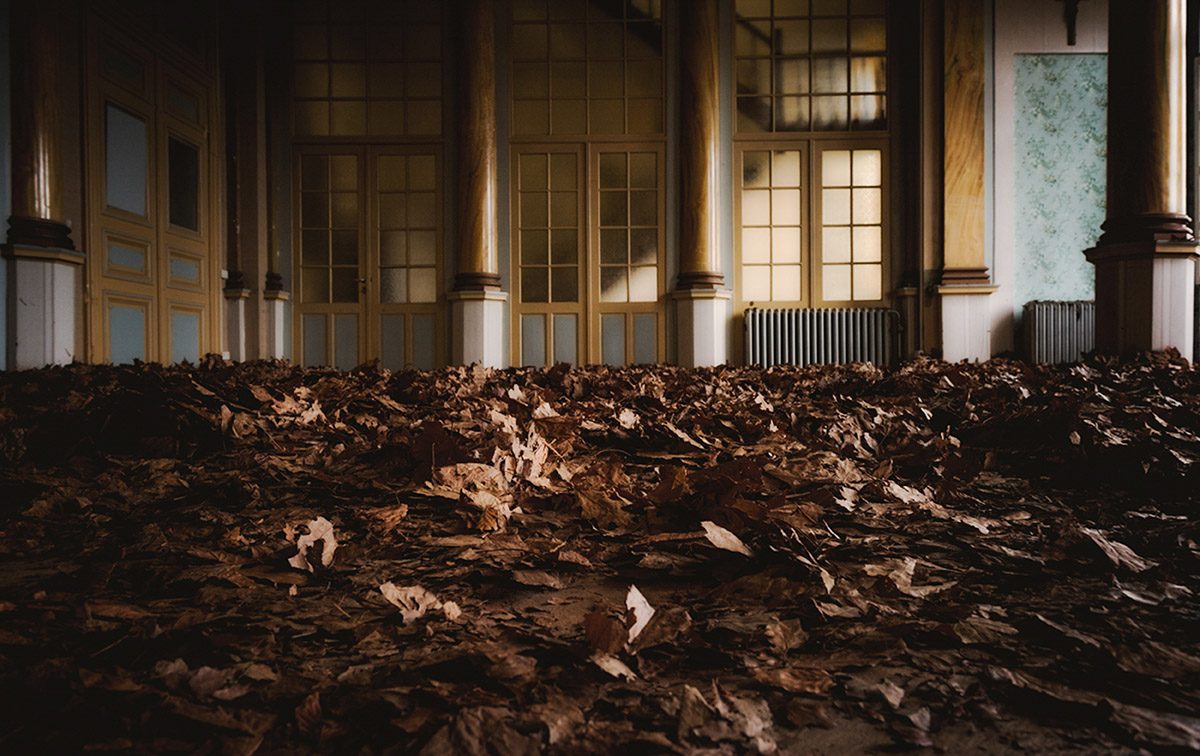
<point x="637" y="613"/>
<point x="413" y="601"/>
<point x="723" y="539"/>
<point x="321" y="530"/>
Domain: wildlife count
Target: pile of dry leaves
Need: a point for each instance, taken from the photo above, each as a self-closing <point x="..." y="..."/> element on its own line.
<point x="266" y="559"/>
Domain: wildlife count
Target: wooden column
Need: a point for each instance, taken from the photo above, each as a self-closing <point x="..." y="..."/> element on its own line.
<point x="37" y="200"/>
<point x="965" y="283"/>
<point x="1147" y="184"/>
<point x="963" y="158"/>
<point x="1146" y="258"/>
<point x="699" y="250"/>
<point x="478" y="267"/>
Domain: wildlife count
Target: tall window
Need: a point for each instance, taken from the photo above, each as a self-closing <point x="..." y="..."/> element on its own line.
<point x="368" y="125"/>
<point x="811" y="148"/>
<point x="588" y="172"/>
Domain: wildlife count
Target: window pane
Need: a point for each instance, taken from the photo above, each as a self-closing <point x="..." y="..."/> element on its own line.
<point x="612" y="339"/>
<point x="614" y="246"/>
<point x="393" y="248"/>
<point x="314" y="285"/>
<point x="643" y="170"/>
<point x="533" y="173"/>
<point x="643" y="284"/>
<point x="755" y="169"/>
<point x="613" y="209"/>
<point x="534" y="247"/>
<point x="393" y="285"/>
<point x="867" y="168"/>
<point x="829" y="75"/>
<point x="422" y="285"/>
<point x="183" y="168"/>
<point x="643" y="246"/>
<point x="533" y="209"/>
<point x="125" y="161"/>
<point x="835" y="207"/>
<point x="785" y="167"/>
<point x="785" y="245"/>
<point x="868" y="112"/>
<point x="868" y="282"/>
<point x="564" y="246"/>
<point x="791" y="37"/>
<point x="422" y="247"/>
<point x="564" y="284"/>
<point x="835" y="168"/>
<point x="613" y="284"/>
<point x="535" y="285"/>
<point x="612" y="171"/>
<point x="756" y="245"/>
<point x="316" y="351"/>
<point x="643" y="208"/>
<point x="792" y="114"/>
<point x="867" y="75"/>
<point x="127" y="334"/>
<point x="868" y="35"/>
<point x="785" y="283"/>
<point x="867" y="208"/>
<point x="345" y="284"/>
<point x="829" y="113"/>
<point x="793" y="77"/>
<point x="868" y="244"/>
<point x="829" y="35"/>
<point x="785" y="207"/>
<point x="756" y="283"/>
<point x="314" y="247"/>
<point x="756" y="207"/>
<point x="533" y="340"/>
<point x="835" y="245"/>
<point x="345" y="247"/>
<point x="836" y="283"/>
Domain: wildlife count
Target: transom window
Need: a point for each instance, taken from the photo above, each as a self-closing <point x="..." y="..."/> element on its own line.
<point x="811" y="151"/>
<point x="816" y="65"/>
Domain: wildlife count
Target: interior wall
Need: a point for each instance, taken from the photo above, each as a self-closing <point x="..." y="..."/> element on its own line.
<point x="1032" y="35"/>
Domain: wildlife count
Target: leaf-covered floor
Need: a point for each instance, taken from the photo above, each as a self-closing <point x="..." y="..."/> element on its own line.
<point x="264" y="559"/>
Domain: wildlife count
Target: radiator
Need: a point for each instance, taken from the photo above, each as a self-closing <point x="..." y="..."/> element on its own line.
<point x="1059" y="331"/>
<point x="820" y="336"/>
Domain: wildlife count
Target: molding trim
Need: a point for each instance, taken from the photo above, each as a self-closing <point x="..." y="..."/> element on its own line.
<point x="68" y="255"/>
<point x="478" y="295"/>
<point x="968" y="290"/>
<point x="697" y="294"/>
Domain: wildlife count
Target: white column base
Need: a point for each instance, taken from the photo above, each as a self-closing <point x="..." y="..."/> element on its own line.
<point x="277" y="313"/>
<point x="966" y="323"/>
<point x="1173" y="297"/>
<point x="1145" y="296"/>
<point x="235" y="323"/>
<point x="45" y="296"/>
<point x="478" y="324"/>
<point x="702" y="316"/>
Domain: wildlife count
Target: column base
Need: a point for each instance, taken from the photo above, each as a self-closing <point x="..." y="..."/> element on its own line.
<point x="702" y="317"/>
<point x="277" y="316"/>
<point x="478" y="324"/>
<point x="1145" y="296"/>
<point x="235" y="323"/>
<point x="966" y="323"/>
<point x="43" y="305"/>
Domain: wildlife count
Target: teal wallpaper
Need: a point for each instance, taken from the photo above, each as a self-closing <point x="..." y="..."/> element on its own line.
<point x="1060" y="109"/>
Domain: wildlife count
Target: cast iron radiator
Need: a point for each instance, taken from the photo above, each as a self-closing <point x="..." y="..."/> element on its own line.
<point x="820" y="336"/>
<point x="1059" y="331"/>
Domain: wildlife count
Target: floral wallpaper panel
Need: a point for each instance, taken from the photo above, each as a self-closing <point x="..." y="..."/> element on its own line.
<point x="1060" y="109"/>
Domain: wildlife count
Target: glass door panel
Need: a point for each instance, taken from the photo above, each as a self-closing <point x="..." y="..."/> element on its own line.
<point x="331" y="279"/>
<point x="627" y="254"/>
<point x="548" y="256"/>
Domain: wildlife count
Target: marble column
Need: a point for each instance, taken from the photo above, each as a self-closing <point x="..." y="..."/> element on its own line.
<point x="477" y="304"/>
<point x="45" y="270"/>
<point x="965" y="284"/>
<point x="702" y="311"/>
<point x="1146" y="258"/>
